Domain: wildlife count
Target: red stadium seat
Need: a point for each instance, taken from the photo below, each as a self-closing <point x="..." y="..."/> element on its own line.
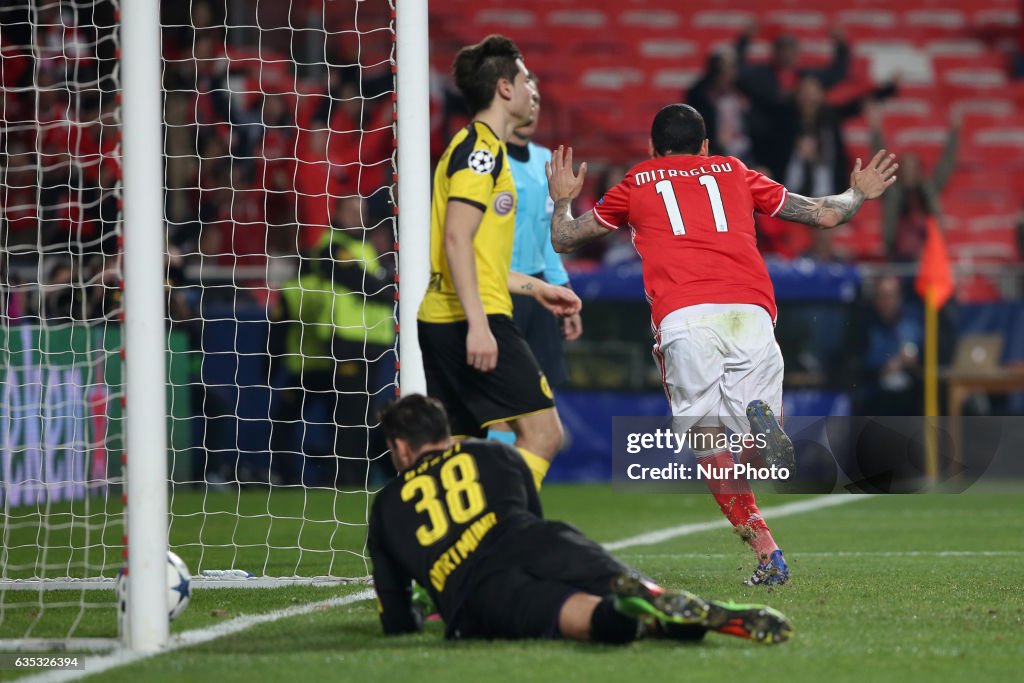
<point x="666" y="49"/>
<point x="577" y="19"/>
<point x="654" y="20"/>
<point x="797" y="22"/>
<point x="502" y="18"/>
<point x="674" y="81"/>
<point x="935" y="21"/>
<point x="1000" y="146"/>
<point x="710" y="20"/>
<point x="869" y="24"/>
<point x="1007" y="17"/>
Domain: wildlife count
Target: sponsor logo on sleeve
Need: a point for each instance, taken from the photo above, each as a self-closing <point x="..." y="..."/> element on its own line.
<point x="504" y="202"/>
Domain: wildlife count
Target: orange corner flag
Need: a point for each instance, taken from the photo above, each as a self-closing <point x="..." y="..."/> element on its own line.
<point x="935" y="273"/>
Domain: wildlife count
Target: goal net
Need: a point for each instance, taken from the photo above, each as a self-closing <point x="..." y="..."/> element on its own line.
<point x="279" y="265"/>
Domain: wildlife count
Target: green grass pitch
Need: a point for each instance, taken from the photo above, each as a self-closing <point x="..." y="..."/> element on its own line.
<point x="896" y="588"/>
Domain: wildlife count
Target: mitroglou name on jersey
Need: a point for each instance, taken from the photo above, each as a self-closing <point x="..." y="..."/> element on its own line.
<point x="661" y="173"/>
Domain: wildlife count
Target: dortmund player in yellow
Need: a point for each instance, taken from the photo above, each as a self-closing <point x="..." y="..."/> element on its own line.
<point x="475" y="359"/>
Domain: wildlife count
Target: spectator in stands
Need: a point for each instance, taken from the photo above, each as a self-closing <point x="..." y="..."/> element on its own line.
<point x="203" y="22"/>
<point x="103" y="210"/>
<point x="817" y="162"/>
<point x="779" y="77"/>
<point x="361" y="136"/>
<point x="771" y="88"/>
<point x="205" y="75"/>
<point x="891" y="354"/>
<point x="318" y="184"/>
<point x="247" y="219"/>
<point x="19" y="221"/>
<point x="17" y="73"/>
<point x="215" y="109"/>
<point x="59" y="300"/>
<point x="213" y="227"/>
<point x="724" y="107"/>
<point x="65" y="46"/>
<point x="915" y="198"/>
<point x="277" y="133"/>
<point x="281" y="207"/>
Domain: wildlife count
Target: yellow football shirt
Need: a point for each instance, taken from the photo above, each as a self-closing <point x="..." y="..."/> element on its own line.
<point x="474" y="170"/>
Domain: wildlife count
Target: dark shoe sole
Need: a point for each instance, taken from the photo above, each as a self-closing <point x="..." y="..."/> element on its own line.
<point x="778" y="451"/>
<point x="758" y="623"/>
<point x="637" y="596"/>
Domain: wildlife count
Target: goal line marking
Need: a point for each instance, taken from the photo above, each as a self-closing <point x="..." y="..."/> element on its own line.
<point x="204" y="635"/>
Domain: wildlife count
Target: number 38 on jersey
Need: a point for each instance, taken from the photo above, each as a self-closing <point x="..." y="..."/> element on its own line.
<point x="460" y="499"/>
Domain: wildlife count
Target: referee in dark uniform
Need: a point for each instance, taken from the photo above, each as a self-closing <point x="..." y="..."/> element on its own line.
<point x="464" y="521"/>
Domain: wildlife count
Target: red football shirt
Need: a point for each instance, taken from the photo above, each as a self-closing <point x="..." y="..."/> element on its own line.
<point x="692" y="219"/>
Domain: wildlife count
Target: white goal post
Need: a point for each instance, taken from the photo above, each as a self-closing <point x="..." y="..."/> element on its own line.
<point x="144" y="319"/>
<point x="150" y="421"/>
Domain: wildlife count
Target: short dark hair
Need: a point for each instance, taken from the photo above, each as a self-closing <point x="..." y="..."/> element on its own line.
<point x="678" y="129"/>
<point x="417" y="419"/>
<point x="477" y="69"/>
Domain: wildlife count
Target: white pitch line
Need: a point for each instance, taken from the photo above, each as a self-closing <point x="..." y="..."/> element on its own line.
<point x="97" y="665"/>
<point x="770" y="513"/>
<point x="196" y="637"/>
<point x="855" y="553"/>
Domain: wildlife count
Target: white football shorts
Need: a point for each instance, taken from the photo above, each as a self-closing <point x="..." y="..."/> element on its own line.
<point x="715" y="359"/>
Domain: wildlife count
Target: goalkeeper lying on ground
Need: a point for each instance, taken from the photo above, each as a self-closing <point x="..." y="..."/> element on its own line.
<point x="464" y="520"/>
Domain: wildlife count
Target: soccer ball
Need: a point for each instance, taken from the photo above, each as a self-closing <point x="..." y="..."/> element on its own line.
<point x="179" y="589"/>
<point x="179" y="586"/>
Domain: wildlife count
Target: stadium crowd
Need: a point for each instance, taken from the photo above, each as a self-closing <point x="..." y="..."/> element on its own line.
<point x="261" y="149"/>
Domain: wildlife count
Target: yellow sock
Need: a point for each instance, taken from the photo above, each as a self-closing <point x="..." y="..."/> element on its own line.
<point x="538" y="465"/>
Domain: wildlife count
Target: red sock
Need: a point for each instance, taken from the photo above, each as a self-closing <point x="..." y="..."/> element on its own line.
<point x="761" y="540"/>
<point x="738" y="504"/>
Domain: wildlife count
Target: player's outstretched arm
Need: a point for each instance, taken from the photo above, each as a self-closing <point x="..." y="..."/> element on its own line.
<point x="561" y="301"/>
<point x="834" y="210"/>
<point x="568" y="233"/>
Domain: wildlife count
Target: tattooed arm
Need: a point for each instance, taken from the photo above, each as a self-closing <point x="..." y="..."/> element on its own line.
<point x="834" y="210"/>
<point x="568" y="233"/>
<point x="822" y="212"/>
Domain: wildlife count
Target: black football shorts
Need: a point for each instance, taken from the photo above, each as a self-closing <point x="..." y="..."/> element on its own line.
<point x="529" y="577"/>
<point x="475" y="400"/>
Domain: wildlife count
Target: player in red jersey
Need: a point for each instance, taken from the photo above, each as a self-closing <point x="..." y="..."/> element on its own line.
<point x="712" y="302"/>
